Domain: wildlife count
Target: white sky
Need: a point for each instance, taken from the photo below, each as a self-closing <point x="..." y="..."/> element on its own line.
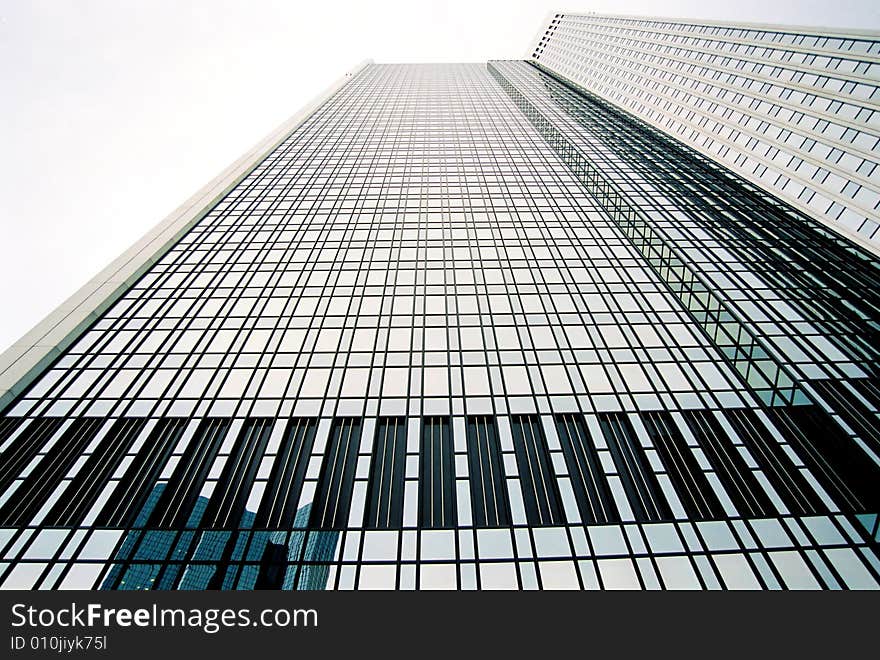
<point x="114" y="112"/>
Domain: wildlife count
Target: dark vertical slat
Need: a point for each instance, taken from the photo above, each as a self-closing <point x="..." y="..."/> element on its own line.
<point x="332" y="501"/>
<point x="540" y="490"/>
<point x="790" y="485"/>
<point x="643" y="491"/>
<point x="588" y="480"/>
<point x="437" y="501"/>
<point x="689" y="481"/>
<point x="278" y="507"/>
<point x="89" y="483"/>
<point x="227" y="503"/>
<point x="741" y="486"/>
<point x="47" y="475"/>
<point x="387" y="472"/>
<point x="490" y="502"/>
<point x="179" y="496"/>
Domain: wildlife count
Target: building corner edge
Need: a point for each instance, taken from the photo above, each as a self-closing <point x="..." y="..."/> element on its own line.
<point x="23" y="362"/>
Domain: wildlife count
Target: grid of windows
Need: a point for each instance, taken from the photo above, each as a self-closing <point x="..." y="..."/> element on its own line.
<point x="758" y="273"/>
<point x="414" y="349"/>
<point x="793" y="111"/>
<point x="645" y="536"/>
<point x="626" y="162"/>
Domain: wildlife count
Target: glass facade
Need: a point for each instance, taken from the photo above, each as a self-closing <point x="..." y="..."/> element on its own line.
<point x="467" y="327"/>
<point x="794" y="110"/>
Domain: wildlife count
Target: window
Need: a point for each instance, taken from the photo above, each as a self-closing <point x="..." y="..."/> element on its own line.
<point x="636" y="476"/>
<point x="279" y="506"/>
<point x="536" y="476"/>
<point x="231" y="491"/>
<point x="330" y="508"/>
<point x="176" y="504"/>
<point x="490" y="504"/>
<point x="739" y="483"/>
<point x="35" y="489"/>
<point x="387" y="470"/>
<point x="89" y="483"/>
<point x="437" y="492"/>
<point x="682" y="467"/>
<point x="585" y="474"/>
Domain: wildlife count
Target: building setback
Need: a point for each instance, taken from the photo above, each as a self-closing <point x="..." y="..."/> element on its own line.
<point x="465" y="326"/>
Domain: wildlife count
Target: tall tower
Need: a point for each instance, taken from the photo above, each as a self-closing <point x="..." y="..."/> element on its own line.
<point x="457" y="326"/>
<point x="794" y="110"/>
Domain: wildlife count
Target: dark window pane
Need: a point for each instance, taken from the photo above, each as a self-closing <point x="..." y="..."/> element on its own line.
<point x="333" y="496"/>
<point x="841" y="466"/>
<point x="278" y="508"/>
<point x="588" y="481"/>
<point x="489" y="499"/>
<point x="387" y="471"/>
<point x="640" y="483"/>
<point x="681" y="465"/>
<point x="537" y="479"/>
<point x="855" y="413"/>
<point x="437" y="473"/>
<point x="227" y="503"/>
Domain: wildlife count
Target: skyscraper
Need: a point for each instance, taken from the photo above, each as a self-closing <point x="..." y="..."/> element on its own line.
<point x="457" y="326"/>
<point x="793" y="110"/>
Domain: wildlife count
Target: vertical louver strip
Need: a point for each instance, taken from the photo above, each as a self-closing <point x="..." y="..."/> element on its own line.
<point x="537" y="479"/>
<point x="742" y="487"/>
<point x="437" y="507"/>
<point x="642" y="489"/>
<point x="838" y="463"/>
<point x="682" y="468"/>
<point x="139" y="481"/>
<point x="278" y="507"/>
<point x="489" y="499"/>
<point x="227" y="503"/>
<point x="23" y="449"/>
<point x="588" y="480"/>
<point x="792" y="487"/>
<point x="89" y="482"/>
<point x="47" y="475"/>
<point x="332" y="501"/>
<point x="387" y="471"/>
<point x="181" y="492"/>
